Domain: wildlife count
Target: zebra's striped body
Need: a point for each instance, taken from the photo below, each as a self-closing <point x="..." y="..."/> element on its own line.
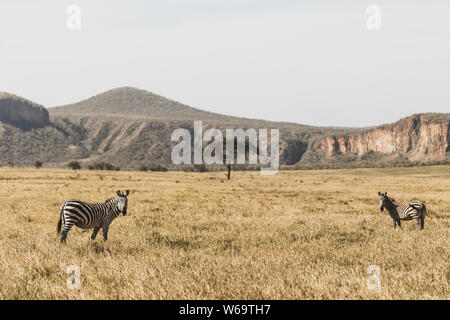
<point x="413" y="210"/>
<point x="91" y="215"/>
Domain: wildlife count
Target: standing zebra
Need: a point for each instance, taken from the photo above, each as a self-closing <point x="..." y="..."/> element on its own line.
<point x="403" y="211"/>
<point x="91" y="215"/>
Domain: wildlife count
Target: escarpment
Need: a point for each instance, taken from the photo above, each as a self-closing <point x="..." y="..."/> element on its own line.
<point x="420" y="136"/>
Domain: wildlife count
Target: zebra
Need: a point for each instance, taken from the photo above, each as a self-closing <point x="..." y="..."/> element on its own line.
<point x="414" y="209"/>
<point x="91" y="215"/>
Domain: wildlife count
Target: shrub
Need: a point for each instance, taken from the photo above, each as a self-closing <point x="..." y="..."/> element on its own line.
<point x="109" y="166"/>
<point x="157" y="167"/>
<point x="104" y="166"/>
<point x="143" y="167"/>
<point x="99" y="165"/>
<point x="74" y="165"/>
<point x="187" y="168"/>
<point x="38" y="164"/>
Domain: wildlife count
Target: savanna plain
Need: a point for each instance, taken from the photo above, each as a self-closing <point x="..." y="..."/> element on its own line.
<point x="294" y="235"/>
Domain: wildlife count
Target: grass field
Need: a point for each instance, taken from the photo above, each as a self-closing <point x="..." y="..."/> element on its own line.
<point x="295" y="235"/>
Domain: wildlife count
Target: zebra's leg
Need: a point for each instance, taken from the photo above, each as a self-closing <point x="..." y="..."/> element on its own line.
<point x="422" y="219"/>
<point x="105" y="229"/>
<point x="395" y="223"/>
<point x="94" y="233"/>
<point x="65" y="231"/>
<point x="399" y="224"/>
<point x="419" y="222"/>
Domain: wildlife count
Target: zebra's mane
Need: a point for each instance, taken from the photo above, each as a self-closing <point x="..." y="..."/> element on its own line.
<point x="111" y="200"/>
<point x="395" y="203"/>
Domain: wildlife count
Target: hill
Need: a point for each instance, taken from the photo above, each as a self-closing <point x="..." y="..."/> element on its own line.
<point x="129" y="127"/>
<point x="135" y="103"/>
<point x="22" y="113"/>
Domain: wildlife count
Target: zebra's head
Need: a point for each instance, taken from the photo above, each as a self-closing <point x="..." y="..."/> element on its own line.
<point x="122" y="201"/>
<point x="382" y="198"/>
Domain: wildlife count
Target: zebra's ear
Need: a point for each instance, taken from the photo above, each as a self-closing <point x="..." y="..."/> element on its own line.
<point x="118" y="193"/>
<point x="379" y="193"/>
<point x="385" y="194"/>
<point x="127" y="192"/>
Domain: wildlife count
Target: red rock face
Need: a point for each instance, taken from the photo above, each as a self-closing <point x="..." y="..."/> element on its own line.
<point x="419" y="137"/>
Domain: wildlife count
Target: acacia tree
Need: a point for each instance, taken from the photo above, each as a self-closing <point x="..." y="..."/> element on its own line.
<point x="225" y="157"/>
<point x="229" y="171"/>
<point x="228" y="160"/>
<point x="235" y="150"/>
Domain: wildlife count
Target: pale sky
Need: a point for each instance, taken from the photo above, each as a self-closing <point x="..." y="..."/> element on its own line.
<point x="312" y="62"/>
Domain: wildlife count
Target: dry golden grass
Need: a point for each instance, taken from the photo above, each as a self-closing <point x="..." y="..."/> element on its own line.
<point x="296" y="235"/>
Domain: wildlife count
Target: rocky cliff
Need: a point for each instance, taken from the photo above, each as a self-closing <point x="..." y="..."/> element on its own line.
<point x="421" y="136"/>
<point x="22" y="113"/>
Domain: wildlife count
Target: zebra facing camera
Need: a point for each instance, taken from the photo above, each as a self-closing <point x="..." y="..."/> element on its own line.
<point x="94" y="216"/>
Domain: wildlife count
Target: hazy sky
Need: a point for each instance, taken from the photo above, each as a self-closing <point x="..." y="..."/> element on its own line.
<point x="312" y="62"/>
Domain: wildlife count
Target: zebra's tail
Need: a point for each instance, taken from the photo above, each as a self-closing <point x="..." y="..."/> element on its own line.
<point x="58" y="227"/>
<point x="424" y="211"/>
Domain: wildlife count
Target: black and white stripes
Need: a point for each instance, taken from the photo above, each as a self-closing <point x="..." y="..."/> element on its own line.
<point x="100" y="215"/>
<point x="91" y="215"/>
<point x="413" y="210"/>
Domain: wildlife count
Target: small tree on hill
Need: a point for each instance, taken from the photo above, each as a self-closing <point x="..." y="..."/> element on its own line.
<point x="38" y="164"/>
<point x="74" y="165"/>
